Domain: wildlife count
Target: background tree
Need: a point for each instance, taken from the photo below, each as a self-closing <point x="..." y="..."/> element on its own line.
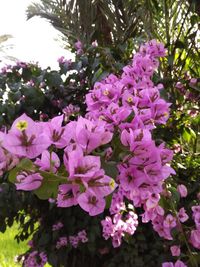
<point x="116" y="22"/>
<point x="4" y="47"/>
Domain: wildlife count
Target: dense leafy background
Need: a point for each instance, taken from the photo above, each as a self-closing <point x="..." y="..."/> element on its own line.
<point x="119" y="27"/>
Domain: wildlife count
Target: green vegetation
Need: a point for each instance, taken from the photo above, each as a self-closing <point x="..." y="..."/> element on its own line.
<point x="10" y="248"/>
<point x="108" y="33"/>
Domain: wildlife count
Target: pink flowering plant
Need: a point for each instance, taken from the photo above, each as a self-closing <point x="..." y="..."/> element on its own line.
<point x="108" y="162"/>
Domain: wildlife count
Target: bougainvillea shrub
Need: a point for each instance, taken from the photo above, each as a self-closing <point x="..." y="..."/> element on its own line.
<point x="42" y="94"/>
<point x="108" y="163"/>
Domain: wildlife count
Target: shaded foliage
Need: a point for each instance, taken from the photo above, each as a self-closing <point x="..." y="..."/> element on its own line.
<point x="119" y="27"/>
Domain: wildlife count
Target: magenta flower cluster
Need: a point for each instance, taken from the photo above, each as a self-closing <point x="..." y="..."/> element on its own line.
<point x="118" y="226"/>
<point x="70" y="110"/>
<point x="57" y="226"/>
<point x="7" y="160"/>
<point x="122" y="113"/>
<point x="86" y="184"/>
<point x="195" y="234"/>
<point x="178" y="263"/>
<point x="35" y="259"/>
<point x="73" y="240"/>
<point x="132" y="94"/>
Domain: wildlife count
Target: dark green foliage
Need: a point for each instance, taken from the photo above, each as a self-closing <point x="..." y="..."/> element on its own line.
<point x="118" y="33"/>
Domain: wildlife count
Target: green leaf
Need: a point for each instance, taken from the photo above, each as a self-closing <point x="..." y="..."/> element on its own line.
<point x="193" y="134"/>
<point x="130" y="117"/>
<point x="96" y="75"/>
<point x="188" y="134"/>
<point x="53" y="177"/>
<point x="194" y="19"/>
<point x="110" y="168"/>
<point x="53" y="78"/>
<point x="48" y="189"/>
<point x="195" y="87"/>
<point x="84" y="60"/>
<point x="26" y="164"/>
<point x="49" y="186"/>
<point x="99" y="75"/>
<point x="108" y="201"/>
<point x="194" y="259"/>
<point x="103" y="75"/>
<point x="95" y="63"/>
<point x="12" y="175"/>
<point x="171" y="60"/>
<point x="175" y="198"/>
<point x="14" y="97"/>
<point x="164" y="203"/>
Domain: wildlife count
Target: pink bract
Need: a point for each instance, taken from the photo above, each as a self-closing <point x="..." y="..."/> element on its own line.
<point x="91" y="203"/>
<point x="48" y="162"/>
<point x="26" y="138"/>
<point x="28" y="182"/>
